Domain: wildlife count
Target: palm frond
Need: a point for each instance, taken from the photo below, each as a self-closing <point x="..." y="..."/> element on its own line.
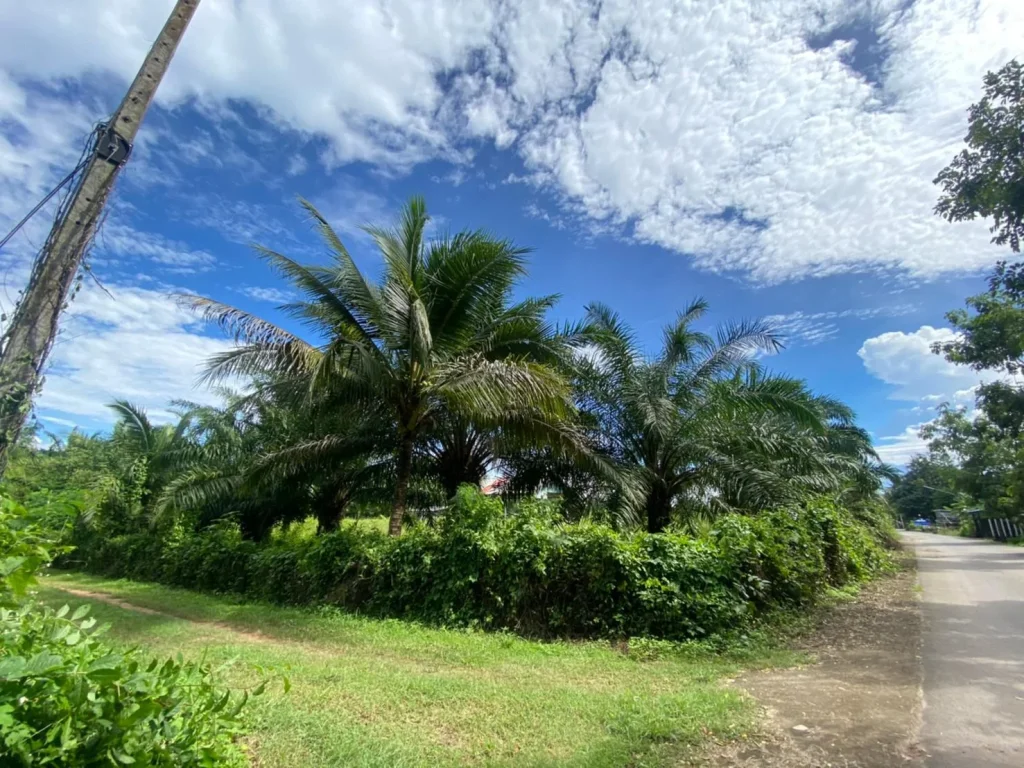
<point x="489" y="388"/>
<point x="136" y="423"/>
<point x="238" y="324"/>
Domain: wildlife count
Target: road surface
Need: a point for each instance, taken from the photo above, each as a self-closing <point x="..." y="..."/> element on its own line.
<point x="972" y="651"/>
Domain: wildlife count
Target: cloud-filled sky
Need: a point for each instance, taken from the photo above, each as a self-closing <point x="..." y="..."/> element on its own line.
<point x="774" y="156"/>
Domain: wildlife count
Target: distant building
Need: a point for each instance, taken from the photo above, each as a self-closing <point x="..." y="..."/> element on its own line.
<point x="494" y="486"/>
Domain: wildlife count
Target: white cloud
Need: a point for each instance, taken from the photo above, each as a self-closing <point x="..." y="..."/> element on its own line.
<point x="273" y="295"/>
<point x="746" y="133"/>
<point x="905" y="360"/>
<point x="456" y="177"/>
<point x="40" y="141"/>
<point x="900" y="449"/>
<point x="718" y="131"/>
<point x="534" y="211"/>
<point x="244" y="222"/>
<point x="135" y="344"/>
<point x="362" y="74"/>
<point x="349" y="207"/>
<point x="122" y="240"/>
<point x="297" y="165"/>
<point x="816" y="327"/>
<point x="59" y="421"/>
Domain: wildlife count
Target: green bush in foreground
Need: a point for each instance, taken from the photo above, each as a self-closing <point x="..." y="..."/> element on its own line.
<point x="528" y="571"/>
<point x="66" y="699"/>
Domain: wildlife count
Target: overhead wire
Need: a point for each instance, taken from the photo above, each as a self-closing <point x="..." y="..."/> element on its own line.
<point x="86" y="156"/>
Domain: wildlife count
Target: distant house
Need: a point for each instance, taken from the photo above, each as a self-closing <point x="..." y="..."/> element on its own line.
<point x="493" y="486"/>
<point x="548" y="492"/>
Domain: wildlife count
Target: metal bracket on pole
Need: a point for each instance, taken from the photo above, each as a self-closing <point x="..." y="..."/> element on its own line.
<point x="112" y="146"/>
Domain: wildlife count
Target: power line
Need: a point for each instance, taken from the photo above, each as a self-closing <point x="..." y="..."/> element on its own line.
<point x="67" y="179"/>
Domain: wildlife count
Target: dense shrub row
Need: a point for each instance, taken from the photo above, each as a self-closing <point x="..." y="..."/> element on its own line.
<point x="526" y="571"/>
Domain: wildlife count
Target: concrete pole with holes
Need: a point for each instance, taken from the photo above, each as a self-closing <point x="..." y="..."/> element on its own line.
<point x="27" y="340"/>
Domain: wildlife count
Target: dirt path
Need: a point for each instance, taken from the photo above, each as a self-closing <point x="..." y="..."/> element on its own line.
<point x="860" y="705"/>
<point x="102" y="597"/>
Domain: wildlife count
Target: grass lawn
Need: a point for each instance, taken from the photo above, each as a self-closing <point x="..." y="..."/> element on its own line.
<point x="367" y="692"/>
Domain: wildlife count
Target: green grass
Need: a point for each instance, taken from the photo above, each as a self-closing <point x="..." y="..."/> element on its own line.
<point x="389" y="693"/>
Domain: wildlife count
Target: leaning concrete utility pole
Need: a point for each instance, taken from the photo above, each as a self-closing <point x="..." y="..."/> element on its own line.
<point x="28" y="339"/>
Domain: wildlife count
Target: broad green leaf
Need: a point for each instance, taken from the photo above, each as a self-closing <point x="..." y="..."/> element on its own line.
<point x="42" y="662"/>
<point x="10" y="564"/>
<point x="12" y="667"/>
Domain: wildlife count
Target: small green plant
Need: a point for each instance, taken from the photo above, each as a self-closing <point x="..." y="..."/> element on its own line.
<point x="67" y="699"/>
<point x="24" y="550"/>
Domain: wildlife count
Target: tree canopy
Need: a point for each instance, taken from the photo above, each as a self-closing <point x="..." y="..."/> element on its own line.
<point x="434" y="374"/>
<point x="987" y="178"/>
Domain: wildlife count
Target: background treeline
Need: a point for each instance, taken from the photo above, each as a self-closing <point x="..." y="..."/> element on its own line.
<point x="975" y="457"/>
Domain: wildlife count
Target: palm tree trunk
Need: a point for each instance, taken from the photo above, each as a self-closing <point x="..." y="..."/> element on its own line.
<point x="401" y="484"/>
<point x="329" y="516"/>
<point x="659" y="509"/>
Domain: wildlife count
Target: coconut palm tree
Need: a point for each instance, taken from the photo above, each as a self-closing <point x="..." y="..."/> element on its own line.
<point x="699" y="426"/>
<point x="427" y="339"/>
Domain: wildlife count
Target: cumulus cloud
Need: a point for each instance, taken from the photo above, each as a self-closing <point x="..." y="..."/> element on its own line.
<point x="132" y="343"/>
<point x="362" y="74"/>
<point x="900" y="449"/>
<point x="719" y="130"/>
<point x="905" y="361"/>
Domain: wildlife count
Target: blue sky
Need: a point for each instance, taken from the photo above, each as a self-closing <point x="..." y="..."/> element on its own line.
<point x="774" y="157"/>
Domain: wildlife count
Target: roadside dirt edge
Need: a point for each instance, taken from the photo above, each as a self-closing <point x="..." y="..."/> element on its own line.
<point x="859" y="705"/>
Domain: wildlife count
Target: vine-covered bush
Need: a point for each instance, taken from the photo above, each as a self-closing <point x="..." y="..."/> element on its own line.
<point x="67" y="699"/>
<point x="527" y="571"/>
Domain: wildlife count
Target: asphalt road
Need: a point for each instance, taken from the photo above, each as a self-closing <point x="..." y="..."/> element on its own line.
<point x="972" y="651"/>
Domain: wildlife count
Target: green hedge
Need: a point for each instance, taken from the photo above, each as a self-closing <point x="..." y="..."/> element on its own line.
<point x="527" y="571"/>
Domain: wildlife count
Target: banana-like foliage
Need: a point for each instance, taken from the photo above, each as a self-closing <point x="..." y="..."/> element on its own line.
<point x="435" y="338"/>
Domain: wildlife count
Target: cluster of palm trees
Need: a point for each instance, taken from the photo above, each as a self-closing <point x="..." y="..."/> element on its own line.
<point x="403" y="388"/>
